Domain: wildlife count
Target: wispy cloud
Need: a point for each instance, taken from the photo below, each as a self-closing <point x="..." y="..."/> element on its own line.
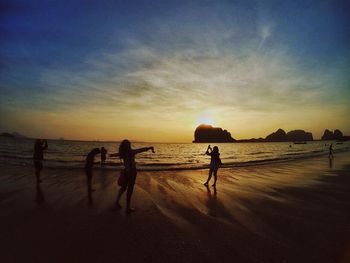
<point x="187" y="79"/>
<point x="265" y="31"/>
<point x="180" y="84"/>
<point x="221" y="66"/>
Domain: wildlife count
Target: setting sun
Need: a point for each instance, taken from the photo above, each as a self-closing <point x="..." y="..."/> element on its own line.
<point x="204" y="119"/>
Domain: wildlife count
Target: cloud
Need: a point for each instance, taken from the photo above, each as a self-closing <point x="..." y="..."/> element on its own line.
<point x="178" y="80"/>
<point x="193" y="63"/>
<point x="265" y="31"/>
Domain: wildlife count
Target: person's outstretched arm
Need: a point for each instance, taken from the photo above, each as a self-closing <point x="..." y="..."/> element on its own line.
<point x="114" y="155"/>
<point x="209" y="148"/>
<point x="144" y="149"/>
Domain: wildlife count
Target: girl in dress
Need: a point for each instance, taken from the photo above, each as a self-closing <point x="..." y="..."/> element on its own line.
<point x="127" y="154"/>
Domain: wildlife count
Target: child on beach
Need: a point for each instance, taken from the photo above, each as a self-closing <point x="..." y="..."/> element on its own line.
<point x="127" y="154"/>
<point x="38" y="157"/>
<point x="90" y="160"/>
<point x="215" y="163"/>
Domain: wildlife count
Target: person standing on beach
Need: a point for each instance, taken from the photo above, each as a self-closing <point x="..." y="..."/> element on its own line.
<point x="38" y="157"/>
<point x="331" y="151"/>
<point x="127" y="154"/>
<point x="215" y="163"/>
<point x="103" y="156"/>
<point x="90" y="161"/>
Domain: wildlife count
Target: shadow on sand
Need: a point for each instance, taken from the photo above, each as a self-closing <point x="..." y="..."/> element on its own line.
<point x="39" y="197"/>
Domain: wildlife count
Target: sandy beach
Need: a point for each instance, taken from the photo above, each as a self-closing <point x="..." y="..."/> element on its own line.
<point x="283" y="212"/>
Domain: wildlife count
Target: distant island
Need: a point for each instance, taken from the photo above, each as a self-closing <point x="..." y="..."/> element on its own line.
<point x="292" y="136"/>
<point x="12" y="135"/>
<point x="205" y="133"/>
<point x="208" y="133"/>
<point x="336" y="135"/>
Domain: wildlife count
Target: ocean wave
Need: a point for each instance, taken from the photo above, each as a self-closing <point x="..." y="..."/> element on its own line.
<point x="185" y="160"/>
<point x="10" y="156"/>
<point x="258" y="153"/>
<point x="300" y="153"/>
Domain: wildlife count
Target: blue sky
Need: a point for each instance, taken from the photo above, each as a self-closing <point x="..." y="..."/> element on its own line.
<point x="132" y="66"/>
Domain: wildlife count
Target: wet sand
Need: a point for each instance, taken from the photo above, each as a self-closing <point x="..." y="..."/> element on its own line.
<point x="284" y="212"/>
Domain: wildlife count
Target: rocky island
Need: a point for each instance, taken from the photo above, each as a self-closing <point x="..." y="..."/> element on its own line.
<point x="12" y="135"/>
<point x="206" y="133"/>
<point x="336" y="135"/>
<point x="292" y="136"/>
<point x="330" y="135"/>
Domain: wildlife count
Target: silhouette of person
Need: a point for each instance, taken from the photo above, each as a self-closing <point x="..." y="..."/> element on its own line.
<point x="127" y="154"/>
<point x="90" y="158"/>
<point x="38" y="157"/>
<point x="103" y="156"/>
<point x="330" y="151"/>
<point x="215" y="163"/>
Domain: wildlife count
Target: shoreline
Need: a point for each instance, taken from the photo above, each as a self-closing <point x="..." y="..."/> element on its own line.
<point x="158" y="142"/>
<point x="143" y="167"/>
<point x="283" y="212"/>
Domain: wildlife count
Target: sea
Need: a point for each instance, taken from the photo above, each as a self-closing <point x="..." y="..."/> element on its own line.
<point x="66" y="154"/>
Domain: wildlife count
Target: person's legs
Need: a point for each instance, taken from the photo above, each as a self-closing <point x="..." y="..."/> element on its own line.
<point x="129" y="192"/>
<point x="120" y="193"/>
<point x="88" y="178"/>
<point x="215" y="176"/>
<point x="209" y="176"/>
<point x="38" y="167"/>
<point x="128" y="197"/>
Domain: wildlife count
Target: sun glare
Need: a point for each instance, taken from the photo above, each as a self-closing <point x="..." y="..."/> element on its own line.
<point x="204" y="119"/>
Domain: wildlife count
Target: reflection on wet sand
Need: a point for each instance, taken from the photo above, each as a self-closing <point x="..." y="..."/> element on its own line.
<point x="39" y="198"/>
<point x="90" y="199"/>
<point x="330" y="162"/>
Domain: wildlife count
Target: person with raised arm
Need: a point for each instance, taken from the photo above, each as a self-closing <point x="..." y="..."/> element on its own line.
<point x="127" y="154"/>
<point x="215" y="163"/>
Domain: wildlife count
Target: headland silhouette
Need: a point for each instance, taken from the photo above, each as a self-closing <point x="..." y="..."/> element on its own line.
<point x="205" y="133"/>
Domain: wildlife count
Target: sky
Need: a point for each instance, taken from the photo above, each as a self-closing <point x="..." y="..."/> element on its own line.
<point x="154" y="70"/>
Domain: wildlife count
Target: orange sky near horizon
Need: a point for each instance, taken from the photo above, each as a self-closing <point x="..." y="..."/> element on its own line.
<point x="241" y="126"/>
